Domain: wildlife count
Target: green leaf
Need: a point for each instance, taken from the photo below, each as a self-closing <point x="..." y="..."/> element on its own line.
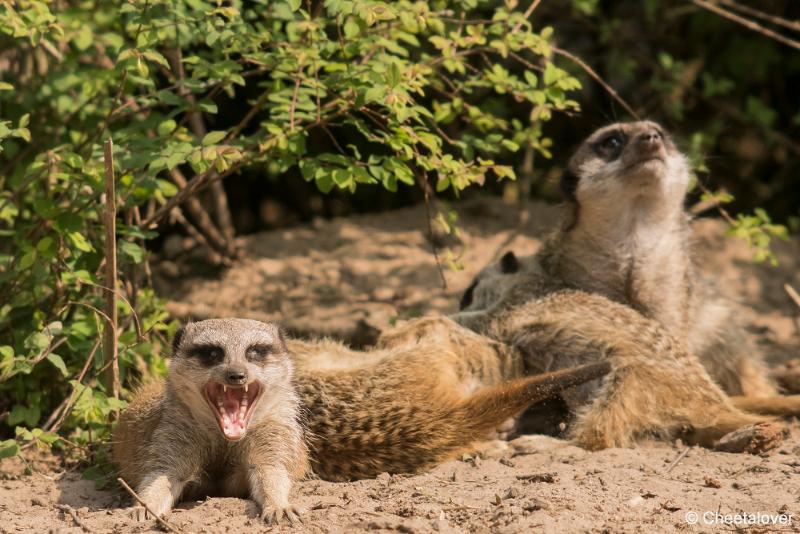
<point x="56" y="360"/>
<point x="167" y="127"/>
<point x="351" y="28"/>
<point x="294" y="5"/>
<point x="132" y="250"/>
<point x="212" y="138"/>
<point x="5" y="86"/>
<point x="80" y="242"/>
<point x="9" y="448"/>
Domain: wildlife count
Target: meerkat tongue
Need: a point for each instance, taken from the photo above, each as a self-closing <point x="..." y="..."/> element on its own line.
<point x="231" y="406"/>
<point x="233" y="410"/>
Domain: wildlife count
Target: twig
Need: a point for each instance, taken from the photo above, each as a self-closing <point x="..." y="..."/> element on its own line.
<point x="792" y="294"/>
<point x="526" y="15"/>
<point x="591" y="72"/>
<point x="58" y="416"/>
<point x="779" y="21"/>
<point x="423" y="183"/>
<point x="220" y="199"/>
<point x="294" y="104"/>
<point x="749" y="24"/>
<point x="67" y="509"/>
<point x="164" y="523"/>
<point x="675" y="462"/>
<point x="110" y="354"/>
<point x="204" y="223"/>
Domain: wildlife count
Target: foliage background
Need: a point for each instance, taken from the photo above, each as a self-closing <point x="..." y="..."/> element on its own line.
<point x="323" y="108"/>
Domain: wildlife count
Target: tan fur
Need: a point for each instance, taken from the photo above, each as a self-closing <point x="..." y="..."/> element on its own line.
<point x="626" y="241"/>
<point x="168" y="444"/>
<point x="628" y="238"/>
<point x="429" y="391"/>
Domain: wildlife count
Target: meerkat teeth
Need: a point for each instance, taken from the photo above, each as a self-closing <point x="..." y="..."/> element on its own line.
<point x="246" y="387"/>
<point x="224" y="388"/>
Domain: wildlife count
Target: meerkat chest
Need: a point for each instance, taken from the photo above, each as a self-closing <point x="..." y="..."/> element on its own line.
<point x="654" y="273"/>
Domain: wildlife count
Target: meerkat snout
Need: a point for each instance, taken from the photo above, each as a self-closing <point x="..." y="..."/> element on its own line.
<point x="230" y="365"/>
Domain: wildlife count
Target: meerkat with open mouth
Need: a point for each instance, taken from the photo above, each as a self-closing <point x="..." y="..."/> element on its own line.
<point x="227" y="421"/>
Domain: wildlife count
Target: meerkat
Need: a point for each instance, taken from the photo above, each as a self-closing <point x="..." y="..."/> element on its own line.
<point x="626" y="236"/>
<point x="625" y="240"/>
<point x="227" y="419"/>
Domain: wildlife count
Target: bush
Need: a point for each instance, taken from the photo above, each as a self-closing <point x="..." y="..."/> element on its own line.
<point x="421" y="90"/>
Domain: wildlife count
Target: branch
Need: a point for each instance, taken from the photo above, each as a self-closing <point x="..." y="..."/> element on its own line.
<point x="591" y="72"/>
<point x="778" y="21"/>
<point x="749" y="24"/>
<point x="110" y="354"/>
<point x="526" y="15"/>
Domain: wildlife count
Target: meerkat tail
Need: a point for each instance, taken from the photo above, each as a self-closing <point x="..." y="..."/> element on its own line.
<point x="785" y="406"/>
<point x="494" y="404"/>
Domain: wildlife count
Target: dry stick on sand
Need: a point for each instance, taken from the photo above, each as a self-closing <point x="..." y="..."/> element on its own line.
<point x="110" y="355"/>
<point x="677" y="460"/>
<point x="163" y="522"/>
<point x="67" y="509"/>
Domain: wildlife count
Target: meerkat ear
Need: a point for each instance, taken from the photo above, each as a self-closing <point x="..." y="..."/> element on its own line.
<point x="282" y="334"/>
<point x="568" y="184"/>
<point x="176" y="340"/>
<point x="509" y="263"/>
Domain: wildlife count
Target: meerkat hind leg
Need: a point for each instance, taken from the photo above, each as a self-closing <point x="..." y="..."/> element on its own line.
<point x="655" y="399"/>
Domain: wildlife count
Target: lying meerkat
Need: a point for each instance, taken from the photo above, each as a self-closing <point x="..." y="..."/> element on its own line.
<point x="656" y="388"/>
<point x="227" y="419"/>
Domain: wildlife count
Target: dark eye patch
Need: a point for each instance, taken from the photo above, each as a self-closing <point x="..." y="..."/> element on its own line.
<point x="208" y="355"/>
<point x="610" y="146"/>
<point x="466" y="298"/>
<point x="260" y="351"/>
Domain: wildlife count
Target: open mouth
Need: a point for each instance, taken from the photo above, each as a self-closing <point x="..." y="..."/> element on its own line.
<point x="232" y="406"/>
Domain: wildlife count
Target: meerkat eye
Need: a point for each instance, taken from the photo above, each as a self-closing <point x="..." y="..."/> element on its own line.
<point x="259" y="352"/>
<point x="612" y="142"/>
<point x="610" y="147"/>
<point x="208" y="354"/>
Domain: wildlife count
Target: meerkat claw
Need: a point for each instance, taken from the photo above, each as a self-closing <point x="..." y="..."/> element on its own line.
<point x="138" y="513"/>
<point x="275" y="515"/>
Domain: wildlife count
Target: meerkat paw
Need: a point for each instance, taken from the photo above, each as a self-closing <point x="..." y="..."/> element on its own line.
<point x="505" y="430"/>
<point x="753" y="439"/>
<point x="139" y="513"/>
<point x="273" y="515"/>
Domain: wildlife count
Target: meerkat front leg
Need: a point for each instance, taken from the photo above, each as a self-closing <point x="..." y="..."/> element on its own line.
<point x="159" y="491"/>
<point x="173" y="460"/>
<point x="270" y="487"/>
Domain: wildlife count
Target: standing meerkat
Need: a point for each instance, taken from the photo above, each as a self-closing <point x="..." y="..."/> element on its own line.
<point x="627" y="237"/>
<point x="226" y="420"/>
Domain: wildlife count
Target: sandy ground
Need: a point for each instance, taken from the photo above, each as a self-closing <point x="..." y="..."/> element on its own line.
<point x="353" y="278"/>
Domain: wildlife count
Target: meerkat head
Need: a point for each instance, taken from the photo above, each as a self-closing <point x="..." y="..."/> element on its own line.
<point x="224" y="368"/>
<point x="627" y="165"/>
<point x="488" y="285"/>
